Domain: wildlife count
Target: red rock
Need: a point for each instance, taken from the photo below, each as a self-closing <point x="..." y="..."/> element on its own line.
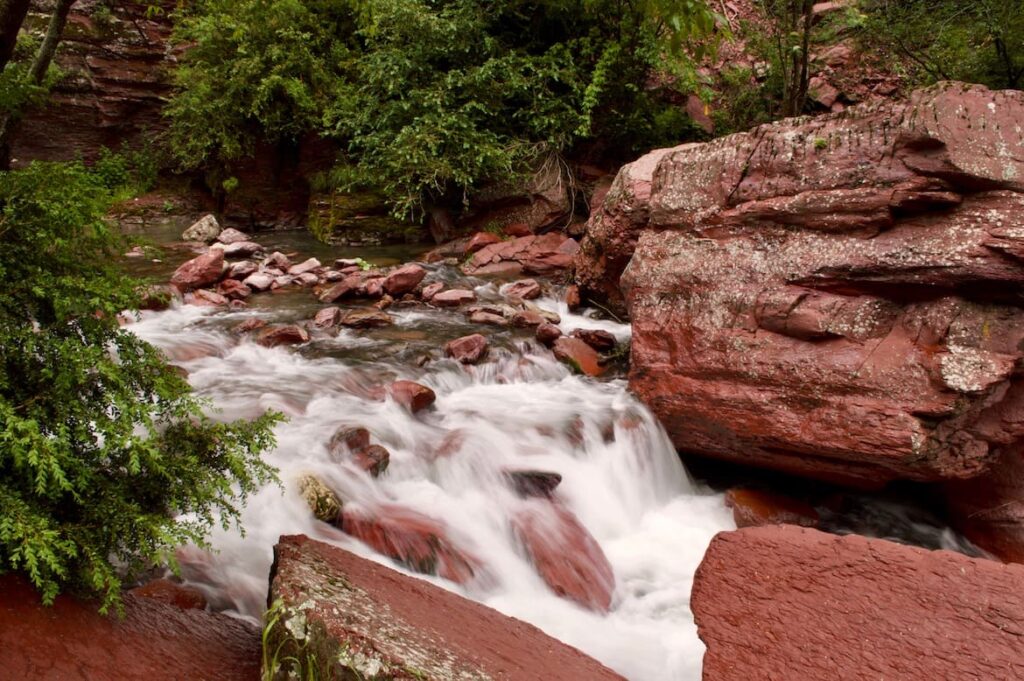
<point x="259" y="281"/>
<point x="698" y="112"/>
<point x="233" y="289"/>
<point x="200" y="271"/>
<point x="172" y="593"/>
<point x="468" y="349"/>
<point x="548" y="333"/>
<point x="453" y="298"/>
<point x="242" y="249"/>
<point x="343" y="289"/>
<point x="366" y="319"/>
<point x="404" y="279"/>
<point x="413" y="539"/>
<point x="431" y="290"/>
<point x="350" y="605"/>
<point x="232" y="236"/>
<point x="989" y="509"/>
<point x="278" y="261"/>
<point x="348" y="437"/>
<point x="534" y="254"/>
<point x="526" y="318"/>
<point x="529" y="483"/>
<point x="327" y="318"/>
<point x="565" y="555"/>
<point x="285" y="334"/>
<point x="154" y="640"/>
<point x="479" y="240"/>
<point x="602" y="341"/>
<point x="305" y="267"/>
<point x="517" y="229"/>
<point x="248" y="325"/>
<point x="158" y="297"/>
<point x="580" y="356"/>
<point x="846" y="271"/>
<point x="785" y="602"/>
<point x="485" y="317"/>
<point x="373" y="459"/>
<point x="373" y="287"/>
<point x="751" y="508"/>
<point x="205" y="297"/>
<point x="411" y="395"/>
<point x="822" y="91"/>
<point x="524" y="289"/>
<point x="572" y="297"/>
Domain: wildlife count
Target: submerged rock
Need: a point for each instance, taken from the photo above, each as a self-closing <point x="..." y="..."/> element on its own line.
<point x="367" y="621"/>
<point x="793" y="603"/>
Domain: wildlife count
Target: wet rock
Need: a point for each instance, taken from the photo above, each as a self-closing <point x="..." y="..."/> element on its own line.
<point x="572" y="298"/>
<point x="548" y="333"/>
<point x="845" y="269"/>
<point x="531" y="483"/>
<point x="282" y="334"/>
<point x="323" y="503"/>
<point x="412" y="395"/>
<point x="327" y="318"/>
<point x="566" y="556"/>
<point x="153" y="640"/>
<point x="517" y="229"/>
<point x="172" y="593"/>
<point x="453" y="298"/>
<point x="307" y="280"/>
<point x="527" y="318"/>
<point x="260" y="281"/>
<point x="485" y="317"/>
<point x="544" y="254"/>
<point x="234" y="289"/>
<point x="200" y="271"/>
<point x="479" y="240"/>
<point x="416" y="541"/>
<point x="468" y="349"/>
<point x="602" y="341"/>
<point x="373" y="459"/>
<point x="248" y="325"/>
<point x="205" y="297"/>
<point x="366" y="319"/>
<point x="989" y="509"/>
<point x="524" y="289"/>
<point x="282" y="281"/>
<point x="546" y="315"/>
<point x="404" y="279"/>
<point x="373" y="287"/>
<point x="205" y="229"/>
<point x="305" y="267"/>
<point x="751" y="508"/>
<point x="158" y="297"/>
<point x="237" y="305"/>
<point x="352" y="608"/>
<point x="241" y="270"/>
<point x="278" y="261"/>
<point x="232" y="236"/>
<point x="577" y="354"/>
<point x="352" y="438"/>
<point x="791" y="602"/>
<point x="431" y="290"/>
<point x="242" y="249"/>
<point x="343" y="289"/>
<point x="386" y="301"/>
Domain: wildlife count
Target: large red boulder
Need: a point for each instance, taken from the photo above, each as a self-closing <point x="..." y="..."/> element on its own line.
<point x="833" y="297"/>
<point x="367" y="621"/>
<point x="566" y="556"/>
<point x="200" y="271"/>
<point x="467" y="349"/>
<point x="413" y="539"/>
<point x="786" y="602"/>
<point x="404" y="279"/>
<point x="154" y="640"/>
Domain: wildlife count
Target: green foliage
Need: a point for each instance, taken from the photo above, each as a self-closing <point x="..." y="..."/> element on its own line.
<point x="981" y="41"/>
<point x="106" y="461"/>
<point x="429" y="99"/>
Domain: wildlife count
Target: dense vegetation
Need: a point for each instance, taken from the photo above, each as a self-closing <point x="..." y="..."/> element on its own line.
<point x="429" y="99"/>
<point x="107" y="463"/>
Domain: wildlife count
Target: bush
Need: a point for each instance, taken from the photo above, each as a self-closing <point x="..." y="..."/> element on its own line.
<point x="106" y="461"/>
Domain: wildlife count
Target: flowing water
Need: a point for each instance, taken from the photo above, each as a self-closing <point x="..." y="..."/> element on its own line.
<point x="521" y="409"/>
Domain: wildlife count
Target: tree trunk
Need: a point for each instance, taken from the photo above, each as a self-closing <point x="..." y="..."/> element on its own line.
<point x="12" y="16"/>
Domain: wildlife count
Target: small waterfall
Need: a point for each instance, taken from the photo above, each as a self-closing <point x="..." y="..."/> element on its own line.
<point x="521" y="410"/>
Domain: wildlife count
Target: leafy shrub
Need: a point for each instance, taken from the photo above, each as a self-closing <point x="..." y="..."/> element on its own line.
<point x="106" y="461"/>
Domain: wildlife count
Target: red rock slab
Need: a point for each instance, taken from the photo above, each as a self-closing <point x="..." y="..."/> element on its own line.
<point x="413" y="539"/>
<point x="166" y="591"/>
<point x="453" y="297"/>
<point x="379" y="623"/>
<point x="479" y="240"/>
<point x="155" y="641"/>
<point x="200" y="271"/>
<point x="754" y="507"/>
<point x="786" y="602"/>
<point x="566" y="556"/>
<point x="578" y="355"/>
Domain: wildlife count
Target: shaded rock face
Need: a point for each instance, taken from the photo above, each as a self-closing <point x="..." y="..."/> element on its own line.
<point x="367" y="621"/>
<point x="794" y="603"/>
<point x="837" y="297"/>
<point x="70" y="641"/>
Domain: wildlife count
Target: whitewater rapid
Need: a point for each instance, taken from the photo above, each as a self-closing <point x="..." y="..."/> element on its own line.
<point x="521" y="409"/>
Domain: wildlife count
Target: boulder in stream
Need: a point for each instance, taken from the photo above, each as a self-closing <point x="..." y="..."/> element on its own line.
<point x="282" y="334"/>
<point x="468" y="349"/>
<point x="205" y="229"/>
<point x="200" y="271"/>
<point x="404" y="279"/>
<point x="453" y="297"/>
<point x="411" y="395"/>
